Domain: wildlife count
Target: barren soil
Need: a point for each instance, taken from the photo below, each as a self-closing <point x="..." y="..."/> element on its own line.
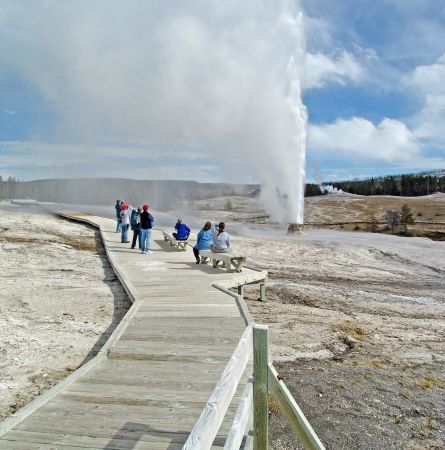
<point x="357" y="330"/>
<point x="60" y="300"/>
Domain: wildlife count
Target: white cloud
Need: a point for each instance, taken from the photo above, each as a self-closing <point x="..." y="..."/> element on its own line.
<point x="360" y="139"/>
<point x="321" y="70"/>
<point x="427" y="83"/>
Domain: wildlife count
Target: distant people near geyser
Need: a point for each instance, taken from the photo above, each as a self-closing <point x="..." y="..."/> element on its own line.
<point x="205" y="238"/>
<point x="182" y="231"/>
<point x="146" y="229"/>
<point x="221" y="239"/>
<point x="125" y="225"/>
<point x="135" y="224"/>
<point x="118" y="207"/>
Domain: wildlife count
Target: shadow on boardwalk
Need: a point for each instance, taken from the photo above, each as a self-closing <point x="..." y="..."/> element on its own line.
<point x="121" y="301"/>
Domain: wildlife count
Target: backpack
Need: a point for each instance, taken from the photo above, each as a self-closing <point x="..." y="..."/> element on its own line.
<point x="134" y="222"/>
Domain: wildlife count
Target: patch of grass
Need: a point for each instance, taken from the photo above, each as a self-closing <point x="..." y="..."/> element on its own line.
<point x="377" y="364"/>
<point x="430" y="424"/>
<point x="407" y="395"/>
<point x="349" y="328"/>
<point x="428" y="383"/>
<point x="273" y="406"/>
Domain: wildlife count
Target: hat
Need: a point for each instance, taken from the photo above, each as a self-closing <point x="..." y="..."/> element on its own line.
<point x="145" y="207"/>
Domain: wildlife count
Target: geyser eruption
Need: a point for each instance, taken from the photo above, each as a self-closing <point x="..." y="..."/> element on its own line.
<point x="168" y="89"/>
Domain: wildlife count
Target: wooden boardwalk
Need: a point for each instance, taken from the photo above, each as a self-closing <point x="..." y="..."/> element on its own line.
<point x="149" y="384"/>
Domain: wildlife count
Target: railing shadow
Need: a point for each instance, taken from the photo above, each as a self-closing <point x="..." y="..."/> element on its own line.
<point x="133" y="432"/>
<point x="121" y="301"/>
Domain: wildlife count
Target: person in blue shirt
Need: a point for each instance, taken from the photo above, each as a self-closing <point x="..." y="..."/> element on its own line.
<point x="118" y="207"/>
<point x="182" y="231"/>
<point x="205" y="238"/>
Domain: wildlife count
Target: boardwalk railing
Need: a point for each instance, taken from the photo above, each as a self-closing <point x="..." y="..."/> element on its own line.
<point x="254" y="403"/>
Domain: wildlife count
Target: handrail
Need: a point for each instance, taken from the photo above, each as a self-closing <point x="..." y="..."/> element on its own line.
<point x="292" y="412"/>
<point x="241" y="421"/>
<point x="209" y="422"/>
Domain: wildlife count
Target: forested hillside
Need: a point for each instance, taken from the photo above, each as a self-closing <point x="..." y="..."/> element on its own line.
<point x="412" y="185"/>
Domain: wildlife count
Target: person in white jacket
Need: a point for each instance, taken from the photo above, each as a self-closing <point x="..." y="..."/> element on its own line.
<point x="221" y="239"/>
<point x="125" y="216"/>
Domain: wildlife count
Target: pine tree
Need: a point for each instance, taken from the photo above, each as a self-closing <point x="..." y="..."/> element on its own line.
<point x="406" y="217"/>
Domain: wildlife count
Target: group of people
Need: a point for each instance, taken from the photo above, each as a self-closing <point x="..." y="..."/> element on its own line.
<point x="139" y="220"/>
<point x="213" y="238"/>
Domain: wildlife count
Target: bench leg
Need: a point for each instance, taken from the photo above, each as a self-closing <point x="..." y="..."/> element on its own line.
<point x="241" y="290"/>
<point x="263" y="293"/>
<point x="237" y="265"/>
<point x="204" y="260"/>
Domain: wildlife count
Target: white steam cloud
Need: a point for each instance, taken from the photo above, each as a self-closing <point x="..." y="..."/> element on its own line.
<point x="223" y="76"/>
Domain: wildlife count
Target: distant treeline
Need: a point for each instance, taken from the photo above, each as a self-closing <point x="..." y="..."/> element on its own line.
<point x="167" y="193"/>
<point x="314" y="189"/>
<point x="162" y="193"/>
<point x="398" y="185"/>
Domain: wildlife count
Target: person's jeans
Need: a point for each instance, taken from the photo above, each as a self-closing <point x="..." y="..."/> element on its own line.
<point x="136" y="234"/>
<point x="145" y="240"/>
<point x="124" y="237"/>
<point x="196" y="253"/>
<point x="118" y="225"/>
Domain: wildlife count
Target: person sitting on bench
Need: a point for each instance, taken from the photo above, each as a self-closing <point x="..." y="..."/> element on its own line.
<point x="221" y="239"/>
<point x="205" y="238"/>
<point x="182" y="231"/>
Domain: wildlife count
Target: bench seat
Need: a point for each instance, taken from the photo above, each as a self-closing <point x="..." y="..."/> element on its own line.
<point x="227" y="259"/>
<point x="180" y="245"/>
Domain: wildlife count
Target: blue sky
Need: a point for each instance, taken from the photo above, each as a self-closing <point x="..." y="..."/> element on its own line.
<point x="90" y="90"/>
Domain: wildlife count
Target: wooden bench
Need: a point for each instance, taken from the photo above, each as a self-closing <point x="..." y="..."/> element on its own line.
<point x="180" y="245"/>
<point x="227" y="259"/>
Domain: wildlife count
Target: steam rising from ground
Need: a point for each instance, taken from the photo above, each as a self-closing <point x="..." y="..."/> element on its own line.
<point x="202" y="80"/>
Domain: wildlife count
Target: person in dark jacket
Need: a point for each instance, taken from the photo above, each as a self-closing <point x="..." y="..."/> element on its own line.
<point x="182" y="231"/>
<point x="135" y="224"/>
<point x="146" y="222"/>
<point x="118" y="207"/>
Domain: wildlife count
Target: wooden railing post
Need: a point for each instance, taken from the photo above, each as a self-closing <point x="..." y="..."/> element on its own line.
<point x="260" y="387"/>
<point x="263" y="297"/>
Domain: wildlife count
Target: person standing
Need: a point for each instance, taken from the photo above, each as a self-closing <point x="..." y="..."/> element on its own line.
<point x="146" y="229"/>
<point x="135" y="224"/>
<point x="205" y="238"/>
<point x="118" y="207"/>
<point x="125" y="215"/>
<point x="221" y="239"/>
<point x="182" y="231"/>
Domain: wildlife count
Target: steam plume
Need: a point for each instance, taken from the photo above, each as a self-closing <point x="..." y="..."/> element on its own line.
<point x="221" y="77"/>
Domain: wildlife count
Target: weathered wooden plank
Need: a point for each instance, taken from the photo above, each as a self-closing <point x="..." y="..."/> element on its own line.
<point x="245" y="410"/>
<point x="131" y="371"/>
<point x="197" y="313"/>
<point x="260" y="387"/>
<point x="120" y="441"/>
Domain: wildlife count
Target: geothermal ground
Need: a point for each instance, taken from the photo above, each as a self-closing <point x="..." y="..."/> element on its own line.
<point x="357" y="320"/>
<point x="60" y="300"/>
